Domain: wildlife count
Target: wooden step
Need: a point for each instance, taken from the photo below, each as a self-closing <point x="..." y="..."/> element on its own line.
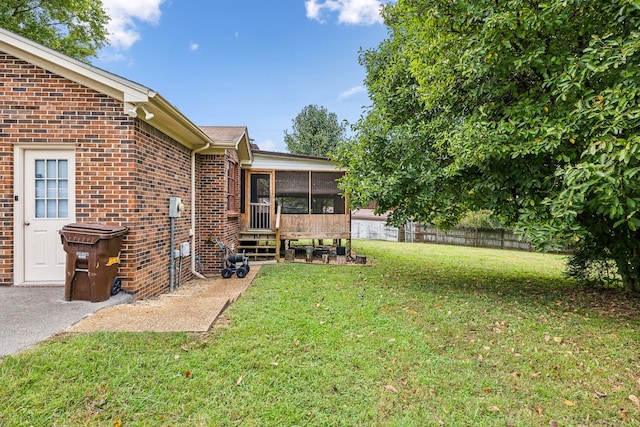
<point x="260" y="256"/>
<point x="257" y="235"/>
<point x="258" y="245"/>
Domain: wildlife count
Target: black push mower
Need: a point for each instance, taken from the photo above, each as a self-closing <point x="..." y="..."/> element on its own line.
<point x="229" y="262"/>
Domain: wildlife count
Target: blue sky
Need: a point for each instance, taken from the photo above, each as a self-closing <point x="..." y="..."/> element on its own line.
<point x="246" y="63"/>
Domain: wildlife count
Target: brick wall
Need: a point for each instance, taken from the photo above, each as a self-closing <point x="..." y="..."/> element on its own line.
<point x="42" y="108"/>
<point x="162" y="171"/>
<point x="215" y="221"/>
<point x="6" y="181"/>
<point x="126" y="171"/>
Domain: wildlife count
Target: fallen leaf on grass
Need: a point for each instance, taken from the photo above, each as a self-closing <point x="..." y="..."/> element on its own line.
<point x="553" y="423"/>
<point x="239" y="380"/>
<point x="493" y="409"/>
<point x="538" y="410"/>
<point x="187" y="374"/>
<point x="634" y="399"/>
<point x="391" y="388"/>
<point x="569" y="403"/>
<point x="625" y="415"/>
<point x="557" y="340"/>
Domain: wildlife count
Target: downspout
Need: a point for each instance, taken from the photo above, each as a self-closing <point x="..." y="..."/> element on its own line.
<point x="193" y="209"/>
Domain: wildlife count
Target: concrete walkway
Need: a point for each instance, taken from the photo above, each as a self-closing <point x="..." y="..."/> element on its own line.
<point x="191" y="308"/>
<point x="29" y="315"/>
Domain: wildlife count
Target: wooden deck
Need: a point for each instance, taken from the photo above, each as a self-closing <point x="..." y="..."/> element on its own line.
<point x="264" y="245"/>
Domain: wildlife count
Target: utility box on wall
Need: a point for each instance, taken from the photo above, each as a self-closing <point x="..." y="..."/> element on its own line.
<point x="175" y="207"/>
<point x="185" y="249"/>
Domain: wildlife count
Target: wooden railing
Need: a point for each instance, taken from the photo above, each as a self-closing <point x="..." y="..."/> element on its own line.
<point x="278" y="215"/>
<point x="260" y="216"/>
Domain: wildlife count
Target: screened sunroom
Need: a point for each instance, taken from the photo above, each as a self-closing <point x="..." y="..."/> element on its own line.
<point x="294" y="197"/>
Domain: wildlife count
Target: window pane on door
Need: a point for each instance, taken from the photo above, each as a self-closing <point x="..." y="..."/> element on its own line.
<point x="63" y="189"/>
<point x="63" y="169"/>
<point x="40" y="212"/>
<point x="39" y="189"/>
<point x="51" y="188"/>
<point x="39" y="168"/>
<point x="52" y="209"/>
<point x="63" y="209"/>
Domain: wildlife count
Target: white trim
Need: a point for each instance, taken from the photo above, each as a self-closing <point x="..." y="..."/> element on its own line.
<point x="73" y="69"/>
<point x="18" y="207"/>
<point x="274" y="161"/>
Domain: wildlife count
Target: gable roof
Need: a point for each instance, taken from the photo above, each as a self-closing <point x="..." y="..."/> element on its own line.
<point x="166" y="117"/>
<point x="230" y="137"/>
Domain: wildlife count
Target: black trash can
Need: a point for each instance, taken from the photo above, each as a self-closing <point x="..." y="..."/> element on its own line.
<point x="93" y="255"/>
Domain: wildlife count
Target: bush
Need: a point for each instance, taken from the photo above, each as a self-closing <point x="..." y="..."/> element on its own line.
<point x="593" y="266"/>
<point x="480" y="219"/>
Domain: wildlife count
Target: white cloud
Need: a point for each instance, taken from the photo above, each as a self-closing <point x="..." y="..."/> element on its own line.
<point x="356" y="12"/>
<point x="350" y="92"/>
<point x="124" y="15"/>
<point x="267" y="145"/>
<point x="109" y="56"/>
<point x="194" y="46"/>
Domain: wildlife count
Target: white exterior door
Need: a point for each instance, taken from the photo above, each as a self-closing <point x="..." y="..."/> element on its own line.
<point x="49" y="203"/>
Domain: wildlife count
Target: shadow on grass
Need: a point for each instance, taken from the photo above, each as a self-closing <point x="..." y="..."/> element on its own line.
<point x="505" y="277"/>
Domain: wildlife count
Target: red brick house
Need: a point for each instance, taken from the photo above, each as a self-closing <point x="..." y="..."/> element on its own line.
<point x="79" y="144"/>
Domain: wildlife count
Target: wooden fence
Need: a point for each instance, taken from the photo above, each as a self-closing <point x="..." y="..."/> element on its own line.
<point x="366" y="226"/>
<point x="466" y="236"/>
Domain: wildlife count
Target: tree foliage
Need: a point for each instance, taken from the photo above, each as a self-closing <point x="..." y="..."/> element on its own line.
<point x="74" y="27"/>
<point x="528" y="109"/>
<point x="314" y="131"/>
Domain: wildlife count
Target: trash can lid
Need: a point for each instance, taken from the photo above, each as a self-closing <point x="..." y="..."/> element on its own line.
<point x="98" y="231"/>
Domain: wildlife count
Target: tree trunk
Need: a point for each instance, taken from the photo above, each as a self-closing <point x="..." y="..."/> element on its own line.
<point x="628" y="264"/>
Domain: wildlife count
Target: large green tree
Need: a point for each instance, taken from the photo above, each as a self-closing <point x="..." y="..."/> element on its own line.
<point x="315" y="131"/>
<point x="530" y="109"/>
<point x="74" y="27"/>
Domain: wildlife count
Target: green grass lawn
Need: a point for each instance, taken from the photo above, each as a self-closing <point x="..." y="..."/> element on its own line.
<point x="429" y="335"/>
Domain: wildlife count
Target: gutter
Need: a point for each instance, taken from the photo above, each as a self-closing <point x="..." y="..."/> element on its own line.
<point x="192" y="230"/>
